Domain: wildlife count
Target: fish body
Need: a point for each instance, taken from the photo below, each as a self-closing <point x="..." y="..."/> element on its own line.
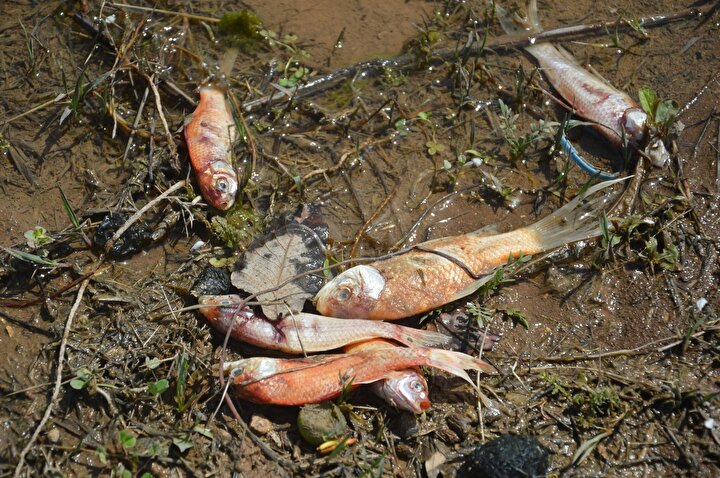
<point x="323" y="377"/>
<point x="440" y="271"/>
<point x="403" y="389"/>
<point x="209" y="135"/>
<point x="306" y="333"/>
<point x="614" y="114"/>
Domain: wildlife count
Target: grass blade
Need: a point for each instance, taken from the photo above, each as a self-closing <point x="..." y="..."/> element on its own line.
<point x="69" y="210"/>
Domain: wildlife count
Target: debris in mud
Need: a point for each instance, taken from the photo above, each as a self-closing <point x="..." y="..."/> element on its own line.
<point x="132" y="241"/>
<point x="212" y="281"/>
<point x="319" y="423"/>
<point x="507" y="456"/>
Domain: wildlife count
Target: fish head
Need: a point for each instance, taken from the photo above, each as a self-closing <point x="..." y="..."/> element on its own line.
<point x="220" y="185"/>
<point x="634" y="122"/>
<point x="405" y="390"/>
<point x="351" y="294"/>
<point x="222" y="308"/>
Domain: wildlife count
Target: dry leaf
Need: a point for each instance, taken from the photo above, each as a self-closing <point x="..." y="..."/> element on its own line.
<point x="280" y="265"/>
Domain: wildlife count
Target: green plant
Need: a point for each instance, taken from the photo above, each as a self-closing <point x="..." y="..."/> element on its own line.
<point x="518" y="143"/>
<point x="662" y="114"/>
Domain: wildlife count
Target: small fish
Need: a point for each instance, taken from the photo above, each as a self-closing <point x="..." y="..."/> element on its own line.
<point x="306" y="333"/>
<point x="209" y="135"/>
<point x="403" y="389"/>
<point x="323" y="377"/>
<point x="615" y="115"/>
<point x="441" y="271"/>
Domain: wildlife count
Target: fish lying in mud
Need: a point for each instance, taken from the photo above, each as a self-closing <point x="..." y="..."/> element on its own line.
<point x="613" y="113"/>
<point x="306" y="333"/>
<point x="209" y="135"/>
<point x="403" y="389"/>
<point x="323" y="377"/>
<point x="440" y="271"/>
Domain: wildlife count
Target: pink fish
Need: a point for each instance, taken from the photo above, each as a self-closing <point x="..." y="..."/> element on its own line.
<point x="323" y="377"/>
<point x="306" y="333"/>
<point x="209" y="135"/>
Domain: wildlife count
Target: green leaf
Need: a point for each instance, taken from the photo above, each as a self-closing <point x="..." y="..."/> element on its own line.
<point x="158" y="387"/>
<point x="127" y="439"/>
<point x="82" y="377"/>
<point x="183" y="442"/>
<point x="27" y="257"/>
<point x="401" y="127"/>
<point x="102" y="455"/>
<point x="152" y="363"/>
<point x="666" y="112"/>
<point x="37" y="237"/>
<point x="69" y="210"/>
<point x="648" y="100"/>
<point x="203" y="431"/>
<point x="434" y="147"/>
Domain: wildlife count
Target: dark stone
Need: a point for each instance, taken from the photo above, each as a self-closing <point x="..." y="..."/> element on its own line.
<point x="132" y="241"/>
<point x="508" y="456"/>
<point x="212" y="281"/>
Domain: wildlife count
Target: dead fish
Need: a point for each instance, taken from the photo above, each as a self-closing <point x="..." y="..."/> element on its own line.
<point x="306" y="333"/>
<point x="209" y="135"/>
<point x="440" y="271"/>
<point x="403" y="389"/>
<point x="323" y="377"/>
<point x="614" y="114"/>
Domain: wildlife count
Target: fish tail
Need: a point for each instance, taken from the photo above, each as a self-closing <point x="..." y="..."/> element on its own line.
<point x="423" y="338"/>
<point x="513" y="24"/>
<point x="577" y="220"/>
<point x="455" y="363"/>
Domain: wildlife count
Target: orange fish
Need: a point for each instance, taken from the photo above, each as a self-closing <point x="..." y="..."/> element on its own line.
<point x="306" y="333"/>
<point x="209" y="135"/>
<point x="403" y="389"/>
<point x="323" y="377"/>
<point x="437" y="272"/>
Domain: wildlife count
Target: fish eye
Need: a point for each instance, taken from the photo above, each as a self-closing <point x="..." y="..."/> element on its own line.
<point x="344" y="293"/>
<point x="222" y="185"/>
<point x="417" y="386"/>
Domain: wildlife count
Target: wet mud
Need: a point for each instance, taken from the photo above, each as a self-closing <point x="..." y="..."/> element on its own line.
<point x="608" y="353"/>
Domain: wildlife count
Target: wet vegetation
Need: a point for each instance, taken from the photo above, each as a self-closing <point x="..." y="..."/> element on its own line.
<point x="609" y="349"/>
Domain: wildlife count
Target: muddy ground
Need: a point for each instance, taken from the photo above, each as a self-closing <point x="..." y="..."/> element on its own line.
<point x="608" y="352"/>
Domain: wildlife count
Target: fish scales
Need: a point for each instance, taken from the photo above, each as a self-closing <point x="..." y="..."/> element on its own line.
<point x="322" y="381"/>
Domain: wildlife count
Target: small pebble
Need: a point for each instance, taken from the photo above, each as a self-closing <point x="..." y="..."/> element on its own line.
<point x="260" y="425"/>
<point x="508" y="456"/>
<point x="320" y="423"/>
<point x="459" y="423"/>
<point x="54" y="435"/>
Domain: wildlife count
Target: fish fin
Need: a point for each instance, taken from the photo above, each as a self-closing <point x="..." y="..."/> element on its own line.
<point x="577" y="220"/>
<point x="472" y="288"/>
<point x="425" y="338"/>
<point x="455" y="363"/>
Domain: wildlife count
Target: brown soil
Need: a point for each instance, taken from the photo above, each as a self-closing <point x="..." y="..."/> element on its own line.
<point x="615" y="343"/>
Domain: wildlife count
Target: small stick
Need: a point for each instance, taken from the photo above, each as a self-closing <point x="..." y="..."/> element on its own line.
<point x="158" y="104"/>
<point x="504" y="42"/>
<point x="58" y="379"/>
<point x="136" y="123"/>
<point x="142" y="211"/>
<point x="717" y="161"/>
<point x="190" y="16"/>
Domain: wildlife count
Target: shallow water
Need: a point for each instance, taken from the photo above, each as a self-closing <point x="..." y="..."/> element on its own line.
<point x="381" y="185"/>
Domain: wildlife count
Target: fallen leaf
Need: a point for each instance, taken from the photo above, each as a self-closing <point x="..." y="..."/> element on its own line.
<point x="278" y="269"/>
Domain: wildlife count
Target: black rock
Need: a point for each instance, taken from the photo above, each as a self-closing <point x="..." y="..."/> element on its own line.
<point x="508" y="456"/>
<point x="132" y="241"/>
<point x="212" y="281"/>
